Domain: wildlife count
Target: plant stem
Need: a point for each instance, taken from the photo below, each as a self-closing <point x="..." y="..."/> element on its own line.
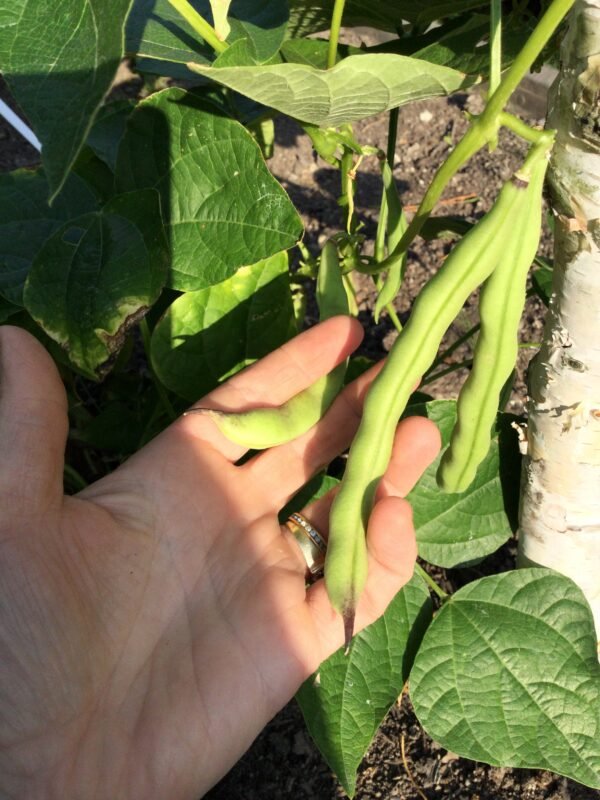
<point x="524" y="61"/>
<point x="334" y="33"/>
<point x="495" y="45"/>
<point x="351" y="294"/>
<point x="383" y="208"/>
<point x="521" y="128"/>
<point x="473" y="140"/>
<point x="200" y="25"/>
<point x="160" y="389"/>
<point x="346" y="165"/>
<point x="454" y="346"/>
<point x="430" y="582"/>
<point x="394" y="317"/>
<point x="442" y="373"/>
<point x="484" y="128"/>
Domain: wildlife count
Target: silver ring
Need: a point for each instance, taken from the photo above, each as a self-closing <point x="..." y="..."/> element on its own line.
<point x="312" y="544"/>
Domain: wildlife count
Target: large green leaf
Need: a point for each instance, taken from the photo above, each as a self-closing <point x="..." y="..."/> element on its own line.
<point x="155" y="31"/>
<point x="26" y="222"/>
<point x="210" y="334"/>
<point x="344" y="702"/>
<point x="454" y="529"/>
<point x="108" y="130"/>
<point x="311" y="16"/>
<point x="221" y="206"/>
<point x="59" y="58"/>
<point x="262" y="23"/>
<point x="358" y="87"/>
<point x="97" y="276"/>
<point x="508" y="674"/>
<point x="465" y="48"/>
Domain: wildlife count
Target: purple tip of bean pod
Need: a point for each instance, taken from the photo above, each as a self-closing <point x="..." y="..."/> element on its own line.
<point x="348" y="618"/>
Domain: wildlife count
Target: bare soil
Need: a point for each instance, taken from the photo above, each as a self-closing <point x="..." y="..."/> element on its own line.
<point x="283" y="762"/>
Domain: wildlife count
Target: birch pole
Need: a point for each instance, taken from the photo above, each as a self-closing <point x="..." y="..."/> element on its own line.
<point x="560" y="493"/>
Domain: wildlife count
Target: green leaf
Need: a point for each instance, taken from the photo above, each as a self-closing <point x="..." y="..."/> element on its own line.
<point x="458" y="529"/>
<point x="26" y="222"/>
<point x="464" y="50"/>
<point x="316" y="487"/>
<point x="358" y="87"/>
<point x="312" y="16"/>
<point x="344" y="702"/>
<point x="541" y="279"/>
<point x="158" y="34"/>
<point x="508" y="674"/>
<point x="313" y="52"/>
<point x="221" y="206"/>
<point x="262" y="23"/>
<point x="59" y="58"/>
<point x="97" y="276"/>
<point x="108" y="130"/>
<point x="208" y="335"/>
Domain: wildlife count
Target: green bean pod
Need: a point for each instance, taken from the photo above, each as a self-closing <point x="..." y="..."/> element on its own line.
<point x="396" y="225"/>
<point x="259" y="428"/>
<point x="470" y="263"/>
<point x="500" y="308"/>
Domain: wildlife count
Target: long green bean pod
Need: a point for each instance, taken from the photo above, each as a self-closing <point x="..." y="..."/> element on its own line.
<point x="470" y="263"/>
<point x="396" y="224"/>
<point x="500" y="307"/>
<point x="259" y="428"/>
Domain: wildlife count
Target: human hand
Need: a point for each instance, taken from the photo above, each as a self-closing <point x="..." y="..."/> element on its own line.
<point x="151" y="625"/>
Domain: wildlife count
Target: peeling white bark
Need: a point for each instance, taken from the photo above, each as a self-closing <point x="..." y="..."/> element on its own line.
<point x="560" y="496"/>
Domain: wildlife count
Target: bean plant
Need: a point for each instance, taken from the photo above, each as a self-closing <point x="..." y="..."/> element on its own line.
<point x="155" y="255"/>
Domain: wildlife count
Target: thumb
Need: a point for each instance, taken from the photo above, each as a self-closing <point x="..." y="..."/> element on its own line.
<point x="33" y="425"/>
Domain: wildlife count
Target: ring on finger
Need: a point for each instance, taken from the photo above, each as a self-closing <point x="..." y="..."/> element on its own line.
<point x="311" y="543"/>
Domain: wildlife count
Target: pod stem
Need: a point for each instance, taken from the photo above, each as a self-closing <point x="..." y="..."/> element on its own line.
<point x="199" y="24"/>
<point x="430" y="582"/>
<point x="484" y="128"/>
<point x="348" y="617"/>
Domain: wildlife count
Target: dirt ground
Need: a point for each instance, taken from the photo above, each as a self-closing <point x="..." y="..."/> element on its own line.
<point x="283" y="762"/>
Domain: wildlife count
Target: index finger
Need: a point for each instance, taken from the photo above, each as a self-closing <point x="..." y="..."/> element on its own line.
<point x="273" y="380"/>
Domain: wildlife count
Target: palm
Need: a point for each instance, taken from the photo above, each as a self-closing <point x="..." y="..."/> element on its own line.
<point x="155" y="622"/>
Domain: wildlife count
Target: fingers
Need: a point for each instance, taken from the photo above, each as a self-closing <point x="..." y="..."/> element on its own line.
<point x="273" y="380"/>
<point x="416" y="446"/>
<point x="33" y="424"/>
<point x="390" y="539"/>
<point x="281" y="471"/>
<point x="392" y="554"/>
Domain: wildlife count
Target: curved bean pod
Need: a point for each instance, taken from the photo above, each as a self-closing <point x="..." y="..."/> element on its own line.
<point x="471" y="261"/>
<point x="260" y="428"/>
<point x="500" y="308"/>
